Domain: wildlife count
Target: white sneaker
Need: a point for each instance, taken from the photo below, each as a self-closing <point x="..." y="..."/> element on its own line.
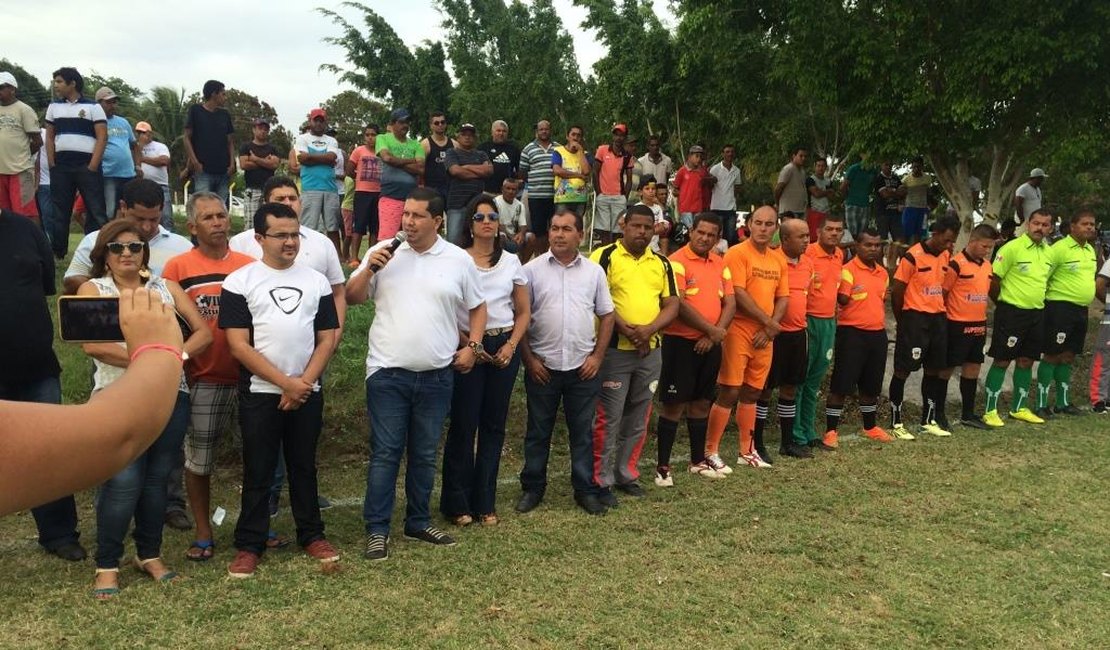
<point x="754" y="460"/>
<point x="663" y="476"/>
<point x="703" y="469"/>
<point x="718" y="465"/>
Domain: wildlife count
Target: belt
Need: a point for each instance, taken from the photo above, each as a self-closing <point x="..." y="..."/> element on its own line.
<point x="498" y="330"/>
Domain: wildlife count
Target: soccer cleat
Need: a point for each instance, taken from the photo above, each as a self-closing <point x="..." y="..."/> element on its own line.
<point x="1025" y="415"/>
<point x="877" y="433"/>
<point x="830" y="439"/>
<point x="993" y="420"/>
<point x="975" y="422"/>
<point x="1098" y="407"/>
<point x="703" y="469"/>
<point x="663" y="476"/>
<point x="754" y="460"/>
<point x="935" y="429"/>
<point x="1044" y="413"/>
<point x="900" y="432"/>
<point x="714" y="461"/>
<point x="1070" y="409"/>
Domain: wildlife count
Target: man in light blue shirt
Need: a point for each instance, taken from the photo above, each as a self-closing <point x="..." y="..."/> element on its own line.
<point x="122" y="156"/>
<point x="317" y="154"/>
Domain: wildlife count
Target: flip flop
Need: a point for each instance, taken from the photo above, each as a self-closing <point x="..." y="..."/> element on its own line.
<point x="106" y="593"/>
<point x="207" y="548"/>
<point x="167" y="577"/>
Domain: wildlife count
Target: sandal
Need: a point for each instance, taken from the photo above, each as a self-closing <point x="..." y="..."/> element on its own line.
<point x="462" y="520"/>
<point x="489" y="520"/>
<point x="106" y="593"/>
<point x="168" y="576"/>
<point x="205" y="549"/>
<point x="275" y="541"/>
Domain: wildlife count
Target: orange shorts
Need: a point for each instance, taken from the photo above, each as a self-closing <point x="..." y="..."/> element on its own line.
<point x="741" y="364"/>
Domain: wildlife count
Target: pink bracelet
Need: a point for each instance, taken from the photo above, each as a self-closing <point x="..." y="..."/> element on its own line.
<point x="156" y="346"/>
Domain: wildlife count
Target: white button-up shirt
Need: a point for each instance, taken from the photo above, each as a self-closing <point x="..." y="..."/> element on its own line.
<point x="566" y="301"/>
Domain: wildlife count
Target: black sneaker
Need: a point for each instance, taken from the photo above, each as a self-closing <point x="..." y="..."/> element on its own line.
<point x="820" y="445"/>
<point x="608" y="499"/>
<point x="72" y="551"/>
<point x="795" y="450"/>
<point x="632" y="489"/>
<point x="377" y="547"/>
<point x="1070" y="409"/>
<point x="528" y="502"/>
<point x="975" y="422"/>
<point x="431" y="535"/>
<point x="1098" y="407"/>
<point x="1045" y="413"/>
<point x="590" y="503"/>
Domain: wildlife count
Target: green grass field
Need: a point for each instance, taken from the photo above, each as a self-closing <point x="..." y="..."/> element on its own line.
<point x="987" y="540"/>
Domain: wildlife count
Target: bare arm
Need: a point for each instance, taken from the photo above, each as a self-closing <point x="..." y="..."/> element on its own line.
<point x="36" y="141"/>
<point x="316" y="158"/>
<point x="996" y="288"/>
<point x="49" y="145"/>
<point x="200" y="337"/>
<point x="898" y="298"/>
<point x="246" y="163"/>
<point x="101" y="131"/>
<point x="339" y="295"/>
<point x="190" y="154"/>
<point x="230" y="154"/>
<point x="1100" y="288"/>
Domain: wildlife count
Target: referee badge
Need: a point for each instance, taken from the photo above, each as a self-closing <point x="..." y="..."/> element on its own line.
<point x="916" y="354"/>
<point x="1011" y="342"/>
<point x="1061" y="337"/>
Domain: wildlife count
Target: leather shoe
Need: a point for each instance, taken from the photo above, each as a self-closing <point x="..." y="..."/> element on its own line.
<point x="178" y="520"/>
<point x="608" y="499"/>
<point x="632" y="489"/>
<point x="528" y="502"/>
<point x="72" y="551"/>
<point x="590" y="503"/>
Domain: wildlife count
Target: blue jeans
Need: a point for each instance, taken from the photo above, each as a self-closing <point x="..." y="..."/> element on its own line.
<point x="46" y="210"/>
<point x="407" y="410"/>
<point x="57" y="520"/>
<point x="479" y="406"/>
<point x="139" y="491"/>
<point x="113" y="191"/>
<point x="579" y="400"/>
<point x="218" y="183"/>
<point x="456" y="224"/>
<point x="167" y="208"/>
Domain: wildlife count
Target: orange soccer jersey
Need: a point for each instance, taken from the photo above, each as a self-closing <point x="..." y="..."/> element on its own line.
<point x="702" y="283"/>
<point x="762" y="275"/>
<point x="821" y="301"/>
<point x="966" y="284"/>
<point x="800" y="278"/>
<point x="922" y="271"/>
<point x="866" y="288"/>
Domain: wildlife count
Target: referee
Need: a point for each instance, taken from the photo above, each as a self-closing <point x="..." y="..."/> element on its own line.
<point x="1071" y="290"/>
<point x="1021" y="270"/>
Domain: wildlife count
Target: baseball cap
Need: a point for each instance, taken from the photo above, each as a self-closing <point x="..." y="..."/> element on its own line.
<point x="400" y="115"/>
<point x="468" y="127"/>
<point x="261" y="121"/>
<point x="143" y="127"/>
<point x="1037" y="173"/>
<point x="8" y="79"/>
<point x="105" y="93"/>
<point x="317" y="112"/>
<point x="620" y="127"/>
<point x="697" y="148"/>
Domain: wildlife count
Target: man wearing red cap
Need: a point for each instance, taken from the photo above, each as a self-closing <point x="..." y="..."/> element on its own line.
<point x="316" y="155"/>
<point x="154" y="157"/>
<point x="612" y="169"/>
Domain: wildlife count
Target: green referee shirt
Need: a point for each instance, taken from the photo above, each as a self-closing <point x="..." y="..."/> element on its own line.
<point x="1072" y="278"/>
<point x="1022" y="267"/>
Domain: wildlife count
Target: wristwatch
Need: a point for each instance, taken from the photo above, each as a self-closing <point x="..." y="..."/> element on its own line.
<point x="474" y="346"/>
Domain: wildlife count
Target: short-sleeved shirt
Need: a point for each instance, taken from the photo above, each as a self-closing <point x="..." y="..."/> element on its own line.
<point x="794" y="197"/>
<point x="256" y="178"/>
<point x="210" y="131"/>
<point x="723" y="196"/>
<point x="496" y="285"/>
<point x="821" y="203"/>
<point x="967" y="284"/>
<point x="702" y="282"/>
<point x="74" y="129"/>
<point x="317" y="177"/>
<point x="566" y="300"/>
<point x="1104" y="273"/>
<point x="611" y="176"/>
<point x="317" y="252"/>
<point x="662" y="170"/>
<point x="163" y="246"/>
<point x="917" y="190"/>
<point x="117" y="161"/>
<point x="461" y="190"/>
<point x="859" y="180"/>
<point x="512" y="216"/>
<point x="800" y="274"/>
<point x="202" y="278"/>
<point x="505" y="157"/>
<point x="866" y="288"/>
<point x="160" y="175"/>
<point x="368" y="170"/>
<point x="691" y="188"/>
<point x="1023" y="268"/>
<point x="570" y="190"/>
<point x="637" y="285"/>
<point x="922" y="271"/>
<point x="17" y="124"/>
<point x="892" y="182"/>
<point x="26" y="333"/>
<point x="821" y="301"/>
<point x="535" y="163"/>
<point x="1072" y="278"/>
<point x="763" y="275"/>
<point x="1031" y="200"/>
<point x="396" y="182"/>
<point x="283" y="309"/>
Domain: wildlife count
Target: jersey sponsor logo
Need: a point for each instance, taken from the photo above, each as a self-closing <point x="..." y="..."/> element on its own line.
<point x="612" y="385"/>
<point x="765" y="274"/>
<point x="287" y="299"/>
<point x="208" y="306"/>
<point x="1024" y="267"/>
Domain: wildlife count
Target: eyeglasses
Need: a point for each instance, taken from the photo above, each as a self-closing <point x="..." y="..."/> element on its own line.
<point x="283" y="236"/>
<point x="117" y="247"/>
<point x="479" y="217"/>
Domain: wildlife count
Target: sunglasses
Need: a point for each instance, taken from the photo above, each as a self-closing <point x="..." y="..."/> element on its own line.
<point x="438" y="122"/>
<point x="134" y="247"/>
<point x="479" y="217"/>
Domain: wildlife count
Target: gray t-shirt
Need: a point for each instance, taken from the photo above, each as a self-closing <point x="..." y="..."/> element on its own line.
<point x="460" y="191"/>
<point x="794" y="197"/>
<point x="819" y="204"/>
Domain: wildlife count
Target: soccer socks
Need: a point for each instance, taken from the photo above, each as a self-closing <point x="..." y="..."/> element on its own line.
<point x="934" y="392"/>
<point x="761" y="410"/>
<point x="745" y="422"/>
<point x="870" y="415"/>
<point x="787" y="410"/>
<point x="968" y="386"/>
<point x="832" y="417"/>
<point x="715" y="429"/>
<point x="1063" y="385"/>
<point x="897" y="395"/>
<point x="696" y="428"/>
<point x="993" y="386"/>
<point x="666" y="430"/>
<point x="1023" y="378"/>
<point x="1046" y="373"/>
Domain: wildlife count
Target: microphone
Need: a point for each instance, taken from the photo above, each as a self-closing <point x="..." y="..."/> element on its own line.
<point x="397" y="240"/>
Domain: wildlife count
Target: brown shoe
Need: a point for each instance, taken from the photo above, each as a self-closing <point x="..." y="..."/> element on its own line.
<point x="462" y="520"/>
<point x="322" y="550"/>
<point x="243" y="565"/>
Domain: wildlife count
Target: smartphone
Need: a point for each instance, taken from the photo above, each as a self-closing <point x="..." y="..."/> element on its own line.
<point x="95" y="319"/>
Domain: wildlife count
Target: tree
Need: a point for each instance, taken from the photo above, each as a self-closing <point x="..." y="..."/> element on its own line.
<point x="130" y="97"/>
<point x="385" y="68"/>
<point x="349" y="112"/>
<point x="31" y="91"/>
<point x="164" y="109"/>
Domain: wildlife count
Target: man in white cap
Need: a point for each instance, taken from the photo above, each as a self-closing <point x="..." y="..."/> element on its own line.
<point x="155" y="161"/>
<point x="121" y="156"/>
<point x="19" y="141"/>
<point x="1027" y="198"/>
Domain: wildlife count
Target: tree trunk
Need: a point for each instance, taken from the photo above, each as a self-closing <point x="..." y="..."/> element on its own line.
<point x="953" y="176"/>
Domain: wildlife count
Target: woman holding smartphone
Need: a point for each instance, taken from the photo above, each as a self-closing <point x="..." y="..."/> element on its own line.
<point x="119" y="262"/>
<point x="480" y="402"/>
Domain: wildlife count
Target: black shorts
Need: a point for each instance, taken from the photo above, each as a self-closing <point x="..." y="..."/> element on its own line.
<point x="540" y="212"/>
<point x="859" y="361"/>
<point x="966" y="342"/>
<point x="686" y="375"/>
<point x="889" y="225"/>
<point x="789" y="360"/>
<point x="366" y="213"/>
<point x="1065" y="327"/>
<point x="1017" y="333"/>
<point x="920" y="341"/>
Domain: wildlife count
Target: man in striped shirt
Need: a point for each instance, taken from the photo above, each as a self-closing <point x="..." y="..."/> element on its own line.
<point x="76" y="135"/>
<point x="535" y="168"/>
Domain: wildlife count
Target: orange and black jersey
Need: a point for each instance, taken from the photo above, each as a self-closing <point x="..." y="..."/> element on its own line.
<point x="922" y="271"/>
<point x="966" y="284"/>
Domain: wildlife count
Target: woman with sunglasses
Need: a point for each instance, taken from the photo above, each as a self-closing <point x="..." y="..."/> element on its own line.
<point x="119" y="262"/>
<point x="480" y="402"/>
